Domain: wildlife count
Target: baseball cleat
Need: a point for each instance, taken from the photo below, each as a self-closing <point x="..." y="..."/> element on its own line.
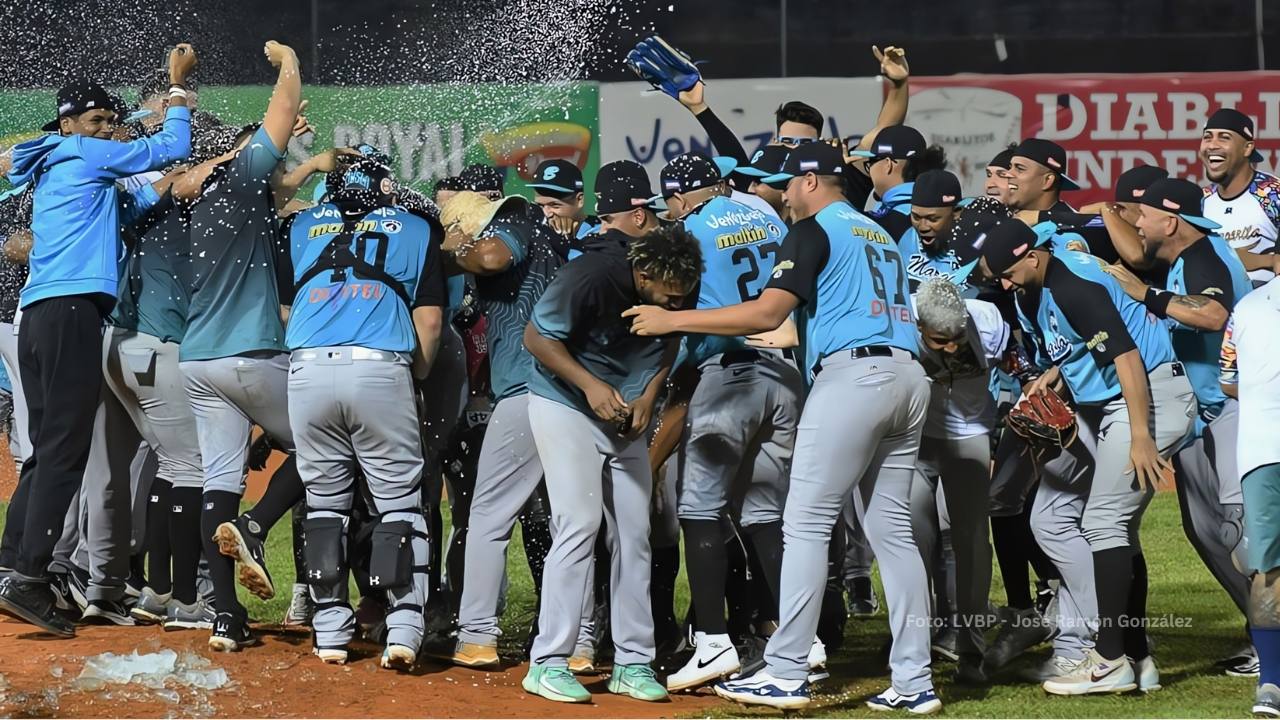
<point x="1095" y="674"/>
<point x="1266" y="700"/>
<point x="31" y="601"/>
<point x="861" y="600"/>
<point x="331" y="656"/>
<point x="199" y="615"/>
<point x="1147" y="673"/>
<point x="474" y="655"/>
<point x="944" y="644"/>
<point x="554" y="683"/>
<point x="969" y="671"/>
<point x="714" y="657"/>
<point x="107" y="612"/>
<point x="301" y="607"/>
<point x="1053" y="667"/>
<point x="1021" y="631"/>
<point x="765" y="689"/>
<point x="637" y="681"/>
<point x="582" y="662"/>
<point x="1242" y="664"/>
<point x="237" y="539"/>
<point x="398" y="657"/>
<point x="231" y="633"/>
<point x="152" y="607"/>
<point x="922" y="703"/>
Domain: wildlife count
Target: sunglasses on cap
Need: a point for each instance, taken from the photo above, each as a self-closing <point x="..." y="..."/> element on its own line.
<point x="788" y="140"/>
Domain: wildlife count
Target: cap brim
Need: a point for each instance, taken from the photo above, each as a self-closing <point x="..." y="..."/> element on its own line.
<point x="1203" y="223"/>
<point x="492" y="211"/>
<point x="1255" y="157"/>
<point x="1044" y="232"/>
<point x="51" y="126"/>
<point x="725" y="165"/>
<point x="553" y="188"/>
<point x="777" y="179"/>
<point x="961" y="275"/>
<point x="1065" y="183"/>
<point x="863" y="153"/>
<point x="965" y="202"/>
<point x="751" y="172"/>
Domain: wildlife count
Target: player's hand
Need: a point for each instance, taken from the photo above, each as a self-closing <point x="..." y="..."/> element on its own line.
<point x="328" y="161"/>
<point x="1046" y="382"/>
<point x="606" y="402"/>
<point x="650" y="320"/>
<point x="566" y="226"/>
<point x="845" y="151"/>
<point x="1132" y="286"/>
<point x="300" y="124"/>
<point x="641" y="414"/>
<point x="17" y="247"/>
<point x="1148" y="467"/>
<point x="893" y="63"/>
<point x="278" y="53"/>
<point x="693" y="98"/>
<point x="182" y="59"/>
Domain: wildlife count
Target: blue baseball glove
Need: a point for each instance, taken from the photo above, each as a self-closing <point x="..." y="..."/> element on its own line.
<point x="662" y="66"/>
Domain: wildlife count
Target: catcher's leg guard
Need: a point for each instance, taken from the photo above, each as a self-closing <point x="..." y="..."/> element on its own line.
<point x="323" y="547"/>
<point x="406" y="548"/>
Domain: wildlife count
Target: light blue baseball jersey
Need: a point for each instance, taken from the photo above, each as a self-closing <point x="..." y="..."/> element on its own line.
<point x="923" y="265"/>
<point x="1082" y="321"/>
<point x="1208" y="267"/>
<point x="851" y="281"/>
<point x="739" y="247"/>
<point x="369" y="303"/>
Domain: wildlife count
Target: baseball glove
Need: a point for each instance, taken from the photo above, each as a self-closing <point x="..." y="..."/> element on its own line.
<point x="1044" y="421"/>
<point x="662" y="66"/>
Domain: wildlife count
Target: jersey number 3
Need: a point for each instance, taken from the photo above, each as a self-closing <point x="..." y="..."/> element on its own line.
<point x="747" y="289"/>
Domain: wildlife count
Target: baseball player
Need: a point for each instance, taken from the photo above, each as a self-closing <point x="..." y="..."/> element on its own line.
<point x="1119" y="366"/>
<point x="860" y="426"/>
<point x="232" y="355"/>
<point x="1250" y="374"/>
<point x="366" y="317"/>
<point x="742" y="415"/>
<point x="1242" y="199"/>
<point x="1205" y="281"/>
<point x="558" y="190"/>
<point x="896" y="157"/>
<point x="71" y="288"/>
<point x="593" y="393"/>
<point x="513" y="257"/>
<point x="996" y="185"/>
<point x="934" y="196"/>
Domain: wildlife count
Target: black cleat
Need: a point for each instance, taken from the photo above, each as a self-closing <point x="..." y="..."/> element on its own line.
<point x="231" y="633"/>
<point x="239" y="539"/>
<point x="33" y="602"/>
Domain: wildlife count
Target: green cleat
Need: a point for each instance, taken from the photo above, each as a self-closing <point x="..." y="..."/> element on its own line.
<point x="638" y="681"/>
<point x="557" y="683"/>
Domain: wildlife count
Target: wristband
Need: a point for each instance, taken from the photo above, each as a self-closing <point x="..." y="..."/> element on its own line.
<point x="1157" y="302"/>
<point x="177" y="91"/>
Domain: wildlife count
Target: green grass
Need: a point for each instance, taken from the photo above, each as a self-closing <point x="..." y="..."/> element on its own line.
<point x="1181" y="589"/>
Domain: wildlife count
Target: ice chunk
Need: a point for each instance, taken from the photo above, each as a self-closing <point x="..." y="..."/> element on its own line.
<point x="156" y="671"/>
<point x="169" y="696"/>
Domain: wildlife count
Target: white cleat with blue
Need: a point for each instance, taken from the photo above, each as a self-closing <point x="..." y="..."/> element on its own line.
<point x="765" y="689"/>
<point x="922" y="703"/>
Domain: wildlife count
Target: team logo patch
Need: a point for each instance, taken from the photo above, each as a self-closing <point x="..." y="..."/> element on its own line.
<point x="781" y="268"/>
<point x="756" y="157"/>
<point x="550" y="173"/>
<point x="807" y="165"/>
<point x="391" y="226"/>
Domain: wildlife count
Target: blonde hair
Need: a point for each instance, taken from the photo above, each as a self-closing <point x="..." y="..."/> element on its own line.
<point x="940" y="307"/>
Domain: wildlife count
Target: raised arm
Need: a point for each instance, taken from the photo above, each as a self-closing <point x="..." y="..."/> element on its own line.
<point x="286" y="97"/>
<point x="114" y="160"/>
<point x="893" y="66"/>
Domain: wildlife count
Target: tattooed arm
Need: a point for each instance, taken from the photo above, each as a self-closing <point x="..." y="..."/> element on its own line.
<point x="1198" y="311"/>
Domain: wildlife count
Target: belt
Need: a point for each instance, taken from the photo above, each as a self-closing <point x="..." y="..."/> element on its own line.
<point x="346" y="353"/>
<point x="750" y="355"/>
<point x="867" y="351"/>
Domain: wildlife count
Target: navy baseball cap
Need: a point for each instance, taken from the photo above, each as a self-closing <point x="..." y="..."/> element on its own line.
<point x="936" y="189"/>
<point x="693" y="171"/>
<point x="765" y="162"/>
<point x="1180" y="197"/>
<point x="819" y="158"/>
<point x="1004" y="243"/>
<point x="81" y="96"/>
<point x="899" y="142"/>
<point x="621" y="186"/>
<point x="1133" y="183"/>
<point x="1238" y="123"/>
<point x="1049" y="154"/>
<point x="557" y="178"/>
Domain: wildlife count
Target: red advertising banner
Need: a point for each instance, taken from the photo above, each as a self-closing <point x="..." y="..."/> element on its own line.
<point x="1107" y="123"/>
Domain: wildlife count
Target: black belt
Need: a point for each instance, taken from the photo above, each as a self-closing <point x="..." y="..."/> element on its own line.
<point x="750" y="355"/>
<point x="871" y="351"/>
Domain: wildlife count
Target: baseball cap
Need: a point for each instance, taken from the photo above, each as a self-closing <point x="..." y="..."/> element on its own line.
<point x="482" y="178"/>
<point x="1049" y="154"/>
<point x="80" y="96"/>
<point x="559" y="177"/>
<point x="764" y="162"/>
<point x="1003" y="159"/>
<point x="818" y="158"/>
<point x="693" y="171"/>
<point x="936" y="189"/>
<point x="1133" y="183"/>
<point x="1180" y="197"/>
<point x="985" y="204"/>
<point x="899" y="142"/>
<point x="621" y="186"/>
<point x="1238" y="123"/>
<point x="1003" y="243"/>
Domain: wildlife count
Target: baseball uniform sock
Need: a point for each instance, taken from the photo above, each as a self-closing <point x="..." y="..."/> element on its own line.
<point x="1135" y="634"/>
<point x="299" y="561"/>
<point x="662" y="592"/>
<point x="766" y="544"/>
<point x="743" y="591"/>
<point x="1266" y="641"/>
<point x="706" y="562"/>
<point x="535" y="532"/>
<point x="1012" y="538"/>
<point x="283" y="492"/>
<point x="184" y="541"/>
<point x="1112" y="575"/>
<point x="435" y="564"/>
<point x="158" y="557"/>
<point x="219" y="507"/>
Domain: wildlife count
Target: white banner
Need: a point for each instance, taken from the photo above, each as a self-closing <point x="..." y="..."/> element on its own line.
<point x="637" y="123"/>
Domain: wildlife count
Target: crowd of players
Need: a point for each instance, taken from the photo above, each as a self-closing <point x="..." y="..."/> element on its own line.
<point x="797" y="359"/>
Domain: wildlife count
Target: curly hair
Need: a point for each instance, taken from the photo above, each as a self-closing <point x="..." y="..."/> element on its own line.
<point x="941" y="308"/>
<point x="668" y="253"/>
